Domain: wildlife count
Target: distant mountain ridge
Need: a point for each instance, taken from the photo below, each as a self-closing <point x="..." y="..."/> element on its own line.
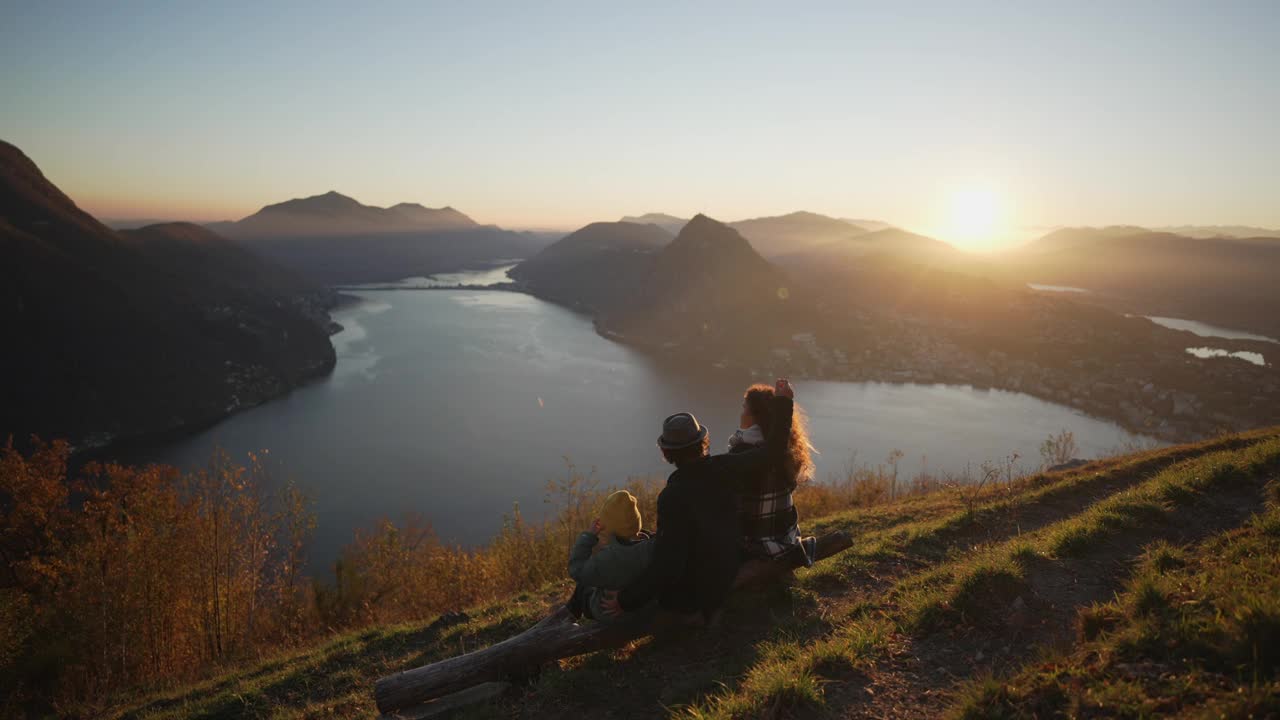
<point x="336" y="214"/>
<point x="335" y="239"/>
<point x="836" y="256"/>
<point x="777" y="235"/>
<point x="1220" y="231"/>
<point x="670" y="223"/>
<point x="794" y="232"/>
<point x="140" y="332"/>
<point x="1224" y="281"/>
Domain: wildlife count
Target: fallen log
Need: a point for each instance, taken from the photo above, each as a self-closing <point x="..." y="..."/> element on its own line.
<point x="554" y="637"/>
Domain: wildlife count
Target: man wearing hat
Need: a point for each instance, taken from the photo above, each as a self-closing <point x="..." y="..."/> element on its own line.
<point x="697" y="549"/>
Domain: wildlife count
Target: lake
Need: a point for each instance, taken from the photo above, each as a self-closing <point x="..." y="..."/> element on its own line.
<point x="1208" y="352"/>
<point x="457" y="403"/>
<point x="1207" y="330"/>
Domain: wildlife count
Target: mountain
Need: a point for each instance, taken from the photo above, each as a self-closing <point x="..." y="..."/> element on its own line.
<point x="209" y="263"/>
<point x="1223" y="281"/>
<point x="335" y="214"/>
<point x="131" y="223"/>
<point x="836" y="256"/>
<point x="1076" y="237"/>
<point x="594" y="266"/>
<point x="869" y="225"/>
<point x="707" y="288"/>
<point x="670" y="223"/>
<point x="797" y="231"/>
<point x="335" y="239"/>
<point x="1220" y="231"/>
<point x="147" y="331"/>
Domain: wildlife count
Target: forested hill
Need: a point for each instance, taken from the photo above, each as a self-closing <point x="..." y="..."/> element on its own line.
<point x="1142" y="585"/>
<point x="113" y="334"/>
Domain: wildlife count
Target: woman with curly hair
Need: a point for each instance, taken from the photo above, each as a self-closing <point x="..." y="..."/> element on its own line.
<point x="770" y="523"/>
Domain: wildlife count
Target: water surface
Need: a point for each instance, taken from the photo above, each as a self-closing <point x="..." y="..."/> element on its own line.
<point x="1207" y="330"/>
<point x="465" y="278"/>
<point x="456" y="403"/>
<point x="1208" y="352"/>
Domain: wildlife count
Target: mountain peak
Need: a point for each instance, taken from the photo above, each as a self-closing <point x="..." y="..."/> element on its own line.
<point x="703" y="228"/>
<point x="706" y="239"/>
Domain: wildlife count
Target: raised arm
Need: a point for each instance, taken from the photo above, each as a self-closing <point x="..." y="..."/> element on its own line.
<point x="781" y="410"/>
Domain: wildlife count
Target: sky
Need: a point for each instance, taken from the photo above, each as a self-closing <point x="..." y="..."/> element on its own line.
<point x="953" y="118"/>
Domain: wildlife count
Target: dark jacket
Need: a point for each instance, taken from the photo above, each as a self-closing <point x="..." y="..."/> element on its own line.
<point x="617" y="563"/>
<point x="698" y="547"/>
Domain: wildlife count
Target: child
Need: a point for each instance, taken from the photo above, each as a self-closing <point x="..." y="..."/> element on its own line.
<point x="623" y="556"/>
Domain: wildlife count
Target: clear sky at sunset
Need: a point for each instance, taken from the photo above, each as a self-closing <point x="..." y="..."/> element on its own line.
<point x="554" y="114"/>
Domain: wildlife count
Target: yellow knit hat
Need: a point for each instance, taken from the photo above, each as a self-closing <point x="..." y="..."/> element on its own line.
<point x="621" y="515"/>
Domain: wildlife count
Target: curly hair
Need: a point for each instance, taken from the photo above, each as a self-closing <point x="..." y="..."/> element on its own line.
<point x="798" y="466"/>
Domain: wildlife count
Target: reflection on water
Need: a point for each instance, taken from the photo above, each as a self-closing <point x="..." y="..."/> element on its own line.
<point x="466" y="278"/>
<point x="1056" y="288"/>
<point x="455" y="403"/>
<point x="1208" y="352"/>
<point x="356" y="357"/>
<point x="1207" y="330"/>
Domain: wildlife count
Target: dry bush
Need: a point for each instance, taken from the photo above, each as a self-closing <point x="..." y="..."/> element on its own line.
<point x="401" y="571"/>
<point x="133" y="575"/>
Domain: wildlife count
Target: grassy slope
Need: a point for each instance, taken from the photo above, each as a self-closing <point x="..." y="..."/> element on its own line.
<point x="948" y="602"/>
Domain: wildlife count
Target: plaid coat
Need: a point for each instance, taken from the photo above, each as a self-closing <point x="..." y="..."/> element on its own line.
<point x="770" y="523"/>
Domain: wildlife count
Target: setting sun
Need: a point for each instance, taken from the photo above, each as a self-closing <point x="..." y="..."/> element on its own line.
<point x="975" y="217"/>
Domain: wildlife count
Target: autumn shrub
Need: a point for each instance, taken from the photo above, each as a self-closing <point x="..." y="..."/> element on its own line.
<point x="140" y="575"/>
<point x="127" y="577"/>
<point x="402" y="570"/>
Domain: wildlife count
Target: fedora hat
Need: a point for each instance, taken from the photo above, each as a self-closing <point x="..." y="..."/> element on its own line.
<point x="680" y="431"/>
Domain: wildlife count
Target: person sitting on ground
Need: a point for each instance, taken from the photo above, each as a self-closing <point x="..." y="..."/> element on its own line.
<point x="698" y="546"/>
<point x="770" y="523"/>
<point x="608" y="556"/>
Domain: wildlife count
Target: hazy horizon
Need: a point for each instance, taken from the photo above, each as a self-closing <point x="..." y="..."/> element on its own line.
<point x="970" y="125"/>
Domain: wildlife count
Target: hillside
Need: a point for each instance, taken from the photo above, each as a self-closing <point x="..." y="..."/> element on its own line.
<point x="1224" y="281"/>
<point x="830" y="260"/>
<point x="595" y="266"/>
<point x="707" y="290"/>
<point x="139" y="332"/>
<point x="794" y="232"/>
<point x="1139" y="585"/>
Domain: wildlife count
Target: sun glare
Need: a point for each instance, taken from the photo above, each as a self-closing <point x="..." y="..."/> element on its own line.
<point x="975" y="218"/>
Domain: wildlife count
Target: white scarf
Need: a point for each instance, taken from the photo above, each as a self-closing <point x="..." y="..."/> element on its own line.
<point x="751" y="436"/>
